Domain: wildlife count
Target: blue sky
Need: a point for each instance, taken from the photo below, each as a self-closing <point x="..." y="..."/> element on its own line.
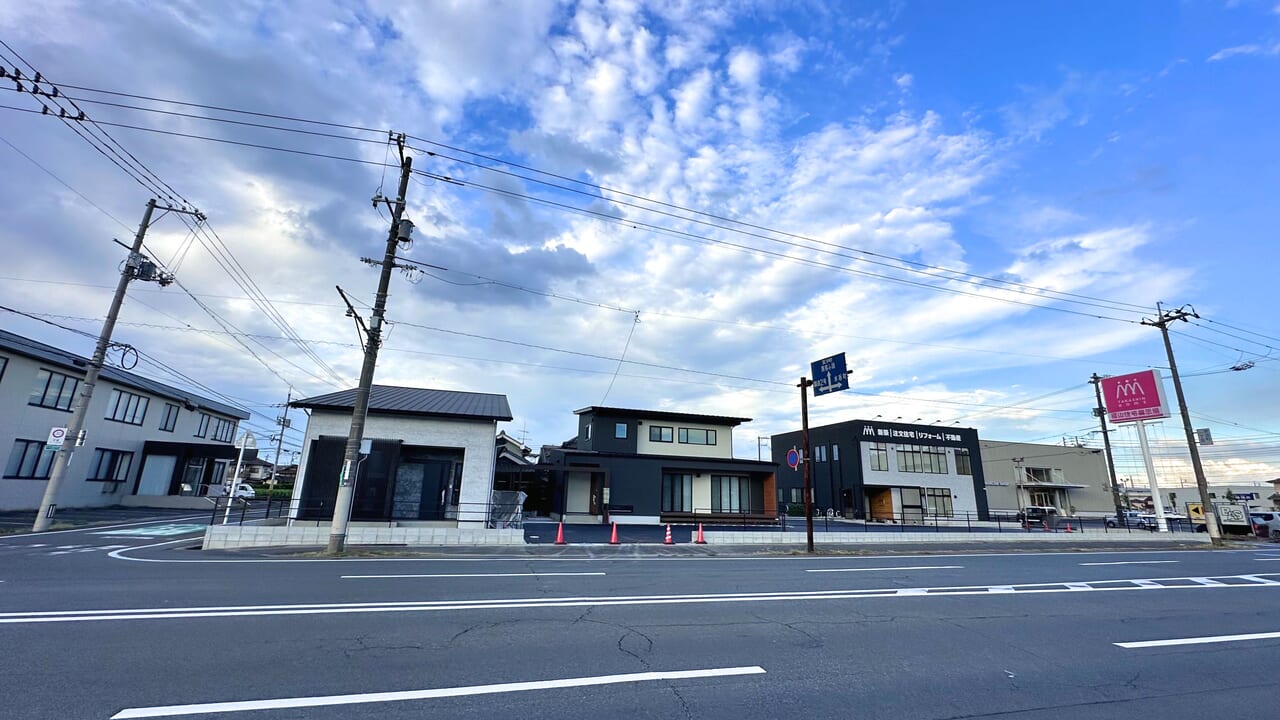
<point x="1120" y="152"/>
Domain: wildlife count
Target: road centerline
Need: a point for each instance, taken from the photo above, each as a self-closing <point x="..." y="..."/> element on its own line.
<point x="1172" y="642"/>
<point x="881" y="569"/>
<point x="470" y="575"/>
<point x="403" y="695"/>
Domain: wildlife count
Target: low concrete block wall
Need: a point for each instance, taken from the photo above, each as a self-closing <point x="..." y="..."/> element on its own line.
<point x="181" y="502"/>
<point x="221" y="537"/>
<point x="858" y="538"/>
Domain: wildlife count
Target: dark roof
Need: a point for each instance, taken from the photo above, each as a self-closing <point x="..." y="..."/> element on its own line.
<point x="70" y="361"/>
<point x="392" y="400"/>
<point x="663" y="415"/>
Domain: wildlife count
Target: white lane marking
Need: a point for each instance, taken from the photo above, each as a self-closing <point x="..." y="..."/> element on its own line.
<point x="874" y="569"/>
<point x="1132" y="562"/>
<point x="120" y="555"/>
<point x="1267" y="559"/>
<point x="601" y="601"/>
<point x="157" y="531"/>
<point x="471" y="575"/>
<point x="1197" y="640"/>
<point x="355" y="699"/>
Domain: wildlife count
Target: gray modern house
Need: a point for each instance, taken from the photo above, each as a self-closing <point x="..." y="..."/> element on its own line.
<point x="652" y="466"/>
<point x="430" y="462"/>
<point x="142" y="437"/>
<point x="886" y="472"/>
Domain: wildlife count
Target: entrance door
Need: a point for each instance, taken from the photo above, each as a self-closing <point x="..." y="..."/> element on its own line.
<point x="912" y="506"/>
<point x="880" y="501"/>
<point x="419" y="490"/>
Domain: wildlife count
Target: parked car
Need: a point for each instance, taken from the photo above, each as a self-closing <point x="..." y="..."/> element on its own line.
<point x="1265" y="522"/>
<point x="1128" y="518"/>
<point x="242" y="490"/>
<point x="1037" y="513"/>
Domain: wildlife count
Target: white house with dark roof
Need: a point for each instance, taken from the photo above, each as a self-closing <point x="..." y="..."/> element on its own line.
<point x="431" y="459"/>
<point x="143" y="439"/>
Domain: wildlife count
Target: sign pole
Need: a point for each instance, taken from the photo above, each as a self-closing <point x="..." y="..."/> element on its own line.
<point x="1161" y="524"/>
<point x="804" y="443"/>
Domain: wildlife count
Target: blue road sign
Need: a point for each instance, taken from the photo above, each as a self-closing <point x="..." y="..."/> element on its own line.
<point x="829" y="375"/>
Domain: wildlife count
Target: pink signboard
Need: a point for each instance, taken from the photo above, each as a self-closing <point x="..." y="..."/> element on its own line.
<point x="1136" y="396"/>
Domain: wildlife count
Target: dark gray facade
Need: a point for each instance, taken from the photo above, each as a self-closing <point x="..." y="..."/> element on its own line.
<point x="894" y="485"/>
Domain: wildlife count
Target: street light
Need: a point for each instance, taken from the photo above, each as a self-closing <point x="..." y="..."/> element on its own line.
<point x="246" y="441"/>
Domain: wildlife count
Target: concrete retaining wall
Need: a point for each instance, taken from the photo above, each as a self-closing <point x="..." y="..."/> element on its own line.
<point x="858" y="538"/>
<point x="220" y="537"/>
<point x="180" y="502"/>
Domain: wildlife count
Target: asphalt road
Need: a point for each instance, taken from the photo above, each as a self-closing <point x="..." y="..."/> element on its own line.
<point x="102" y="633"/>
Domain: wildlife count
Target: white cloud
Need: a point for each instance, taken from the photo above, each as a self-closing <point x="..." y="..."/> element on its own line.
<point x="1250" y="49"/>
<point x="745" y="65"/>
<point x="903" y="81"/>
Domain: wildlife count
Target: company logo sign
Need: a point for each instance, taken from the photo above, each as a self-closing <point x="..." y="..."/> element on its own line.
<point x="1136" y="396"/>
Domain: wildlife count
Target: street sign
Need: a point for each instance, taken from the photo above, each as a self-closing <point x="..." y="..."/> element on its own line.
<point x="829" y="375"/>
<point x="1231" y="514"/>
<point x="57" y="436"/>
<point x="793" y="458"/>
<point x="1136" y="396"/>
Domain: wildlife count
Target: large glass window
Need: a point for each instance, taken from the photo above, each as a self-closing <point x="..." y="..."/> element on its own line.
<point x="677" y="492"/>
<point x="170" y="419"/>
<point x="660" y="433"/>
<point x="964" y="465"/>
<point x="620" y="431"/>
<point x="54" y="390"/>
<point x="697" y="436"/>
<point x="29" y="459"/>
<point x="922" y="459"/>
<point x="110" y="465"/>
<point x="938" y="502"/>
<point x="731" y="493"/>
<point x="126" y="407"/>
<point x="202" y="429"/>
<point x="1044" y="475"/>
<point x="879" y="454"/>
<point x="223" y="430"/>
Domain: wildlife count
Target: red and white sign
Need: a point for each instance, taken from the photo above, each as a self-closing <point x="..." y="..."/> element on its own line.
<point x="1136" y="396"/>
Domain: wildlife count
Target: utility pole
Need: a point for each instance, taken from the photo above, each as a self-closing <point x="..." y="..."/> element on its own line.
<point x="1101" y="413"/>
<point x="400" y="231"/>
<point x="283" y="422"/>
<point x="138" y="267"/>
<point x="1163" y="318"/>
<point x="805" y="383"/>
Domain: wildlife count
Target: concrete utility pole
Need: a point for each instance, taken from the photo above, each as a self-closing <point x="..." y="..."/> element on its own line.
<point x="1163" y="318"/>
<point x="283" y="422"/>
<point x="1101" y="413"/>
<point x="805" y="384"/>
<point x="400" y="230"/>
<point x="141" y="268"/>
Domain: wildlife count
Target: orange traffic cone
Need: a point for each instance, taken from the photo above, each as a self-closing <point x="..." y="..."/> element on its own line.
<point x="613" y="540"/>
<point x="1069" y="526"/>
<point x="668" y="541"/>
<point x="560" y="534"/>
<point x="700" y="540"/>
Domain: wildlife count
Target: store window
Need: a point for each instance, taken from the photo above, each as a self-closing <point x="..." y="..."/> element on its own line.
<point x="879" y="454"/>
<point x="922" y="459"/>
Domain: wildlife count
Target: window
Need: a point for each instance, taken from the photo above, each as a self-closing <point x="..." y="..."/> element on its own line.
<point x="797" y="495"/>
<point x="922" y="459"/>
<point x="170" y="419"/>
<point x="223" y="430"/>
<point x="964" y="466"/>
<point x="54" y="390"/>
<point x="660" y="433"/>
<point x="127" y="407"/>
<point x="588" y="435"/>
<point x="4" y="363"/>
<point x="203" y="429"/>
<point x="620" y="431"/>
<point x="29" y="460"/>
<point x="1043" y="475"/>
<point x="938" y="502"/>
<point x="110" y="465"/>
<point x="695" y="436"/>
<point x="835" y="452"/>
<point x="731" y="494"/>
<point x="879" y="456"/>
<point x="677" y="492"/>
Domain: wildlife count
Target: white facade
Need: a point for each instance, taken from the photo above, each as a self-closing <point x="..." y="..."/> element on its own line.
<point x="474" y="437"/>
<point x="723" y="447"/>
<point x="23" y="423"/>
<point x="961" y="486"/>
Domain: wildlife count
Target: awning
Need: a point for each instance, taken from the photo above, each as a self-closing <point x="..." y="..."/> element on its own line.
<point x="1062" y="486"/>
